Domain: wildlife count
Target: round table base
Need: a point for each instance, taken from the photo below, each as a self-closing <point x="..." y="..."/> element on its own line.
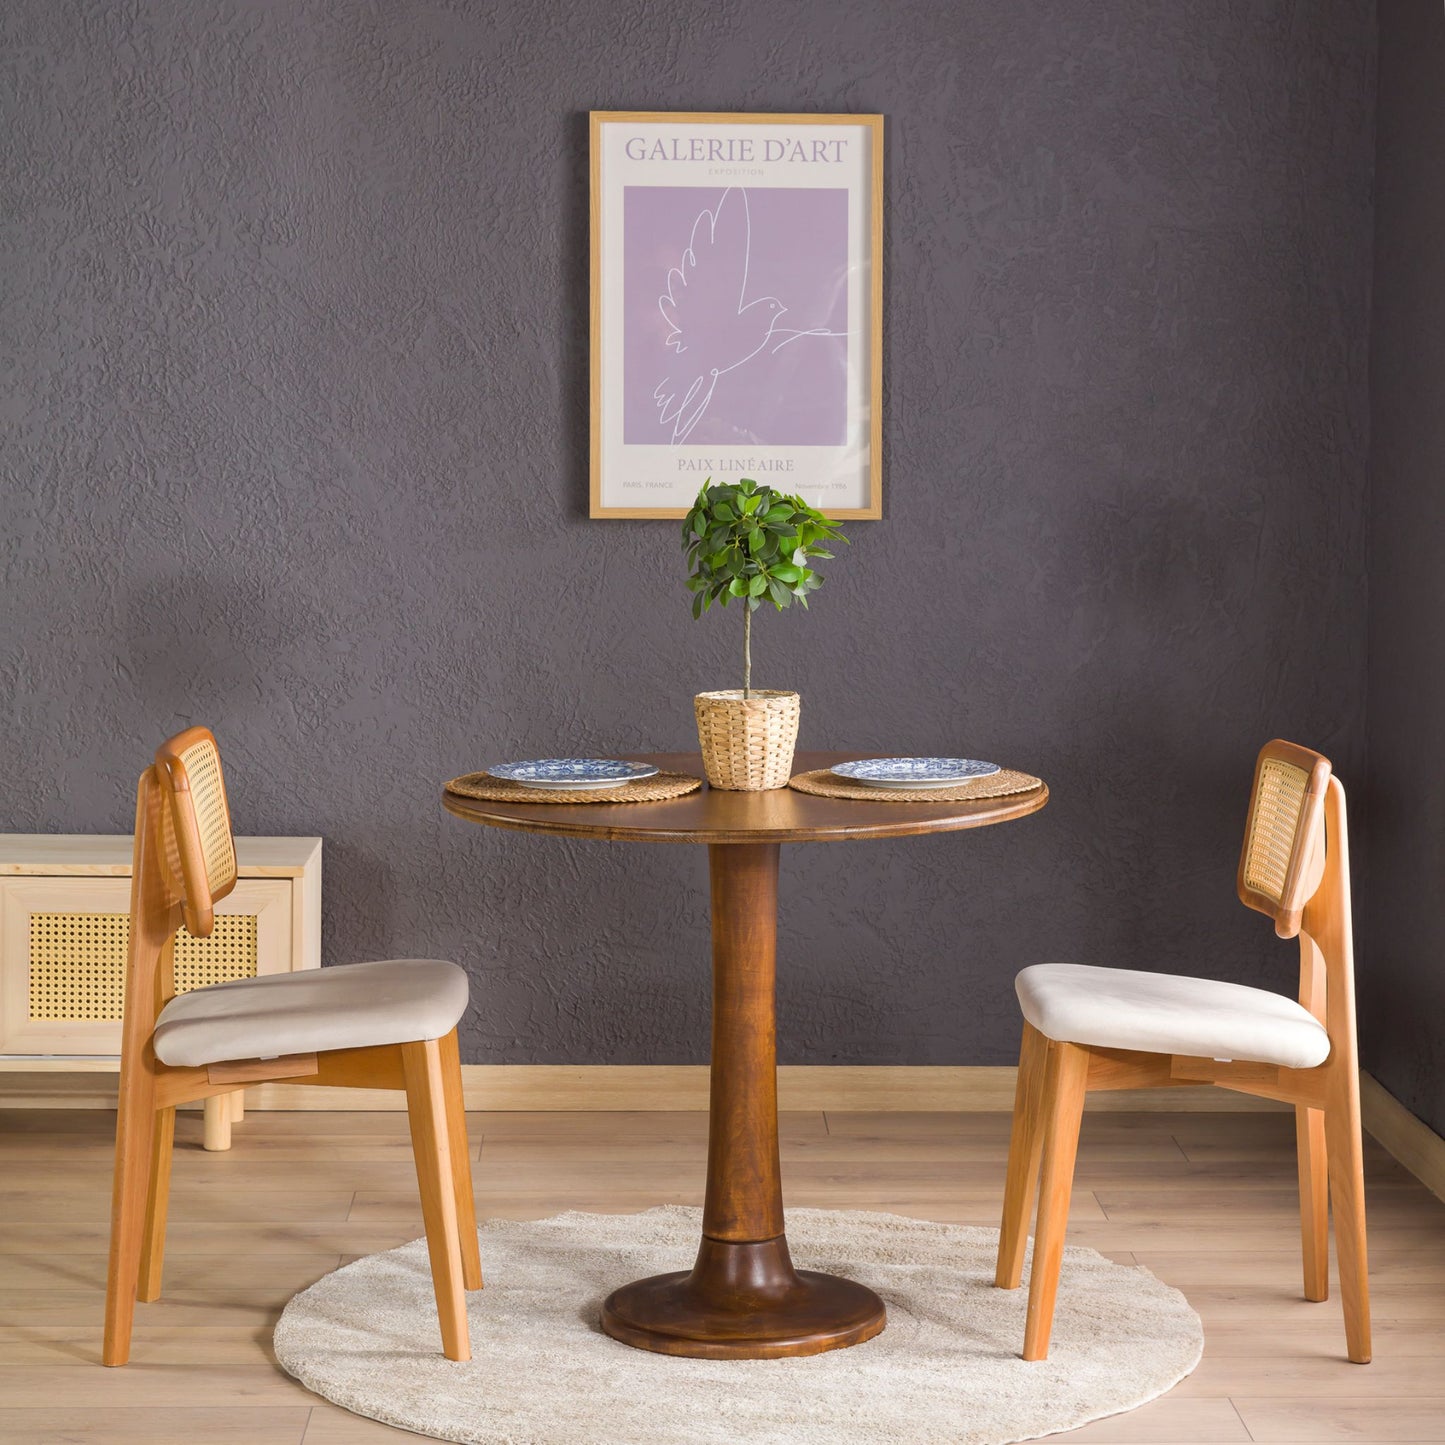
<point x="743" y="1302"/>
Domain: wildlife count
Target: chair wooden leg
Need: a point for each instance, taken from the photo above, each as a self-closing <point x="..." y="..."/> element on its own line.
<point x="1026" y="1144"/>
<point x="1065" y="1083"/>
<point x="216" y="1130"/>
<point x="1347" y="1201"/>
<point x="238" y="1106"/>
<point x="461" y="1162"/>
<point x="153" y="1246"/>
<point x="426" y="1103"/>
<point x="1314" y="1201"/>
<point x="135" y="1126"/>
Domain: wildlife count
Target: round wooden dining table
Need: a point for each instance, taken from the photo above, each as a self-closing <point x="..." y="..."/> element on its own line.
<point x="743" y="1299"/>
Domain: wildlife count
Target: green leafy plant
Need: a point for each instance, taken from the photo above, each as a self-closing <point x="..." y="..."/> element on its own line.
<point x="754" y="544"/>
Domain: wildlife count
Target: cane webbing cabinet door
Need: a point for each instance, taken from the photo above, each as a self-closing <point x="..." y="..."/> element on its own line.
<point x="64" y="926"/>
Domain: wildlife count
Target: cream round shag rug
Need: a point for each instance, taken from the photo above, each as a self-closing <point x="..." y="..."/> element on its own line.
<point x="946" y="1369"/>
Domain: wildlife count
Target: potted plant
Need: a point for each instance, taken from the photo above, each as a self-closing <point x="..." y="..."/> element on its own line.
<point x="750" y="544"/>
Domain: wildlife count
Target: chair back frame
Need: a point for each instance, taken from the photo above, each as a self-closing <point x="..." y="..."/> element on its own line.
<point x="156" y="913"/>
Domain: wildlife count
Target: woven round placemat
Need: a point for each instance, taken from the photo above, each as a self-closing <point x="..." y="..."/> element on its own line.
<point x="997" y="785"/>
<point x="501" y="790"/>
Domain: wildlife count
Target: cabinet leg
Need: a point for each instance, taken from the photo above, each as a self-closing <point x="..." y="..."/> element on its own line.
<point x="217" y="1130"/>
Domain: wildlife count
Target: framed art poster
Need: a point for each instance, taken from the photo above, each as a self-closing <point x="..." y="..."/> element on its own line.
<point x="737" y="301"/>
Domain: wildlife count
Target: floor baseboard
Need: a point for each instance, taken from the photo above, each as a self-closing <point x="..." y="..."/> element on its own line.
<point x="544" y="1088"/>
<point x="1412" y="1141"/>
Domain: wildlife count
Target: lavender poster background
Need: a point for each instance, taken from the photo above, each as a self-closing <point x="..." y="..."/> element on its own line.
<point x="753" y="283"/>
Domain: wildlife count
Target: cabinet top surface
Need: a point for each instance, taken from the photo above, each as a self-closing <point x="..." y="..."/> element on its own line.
<point x="109" y="854"/>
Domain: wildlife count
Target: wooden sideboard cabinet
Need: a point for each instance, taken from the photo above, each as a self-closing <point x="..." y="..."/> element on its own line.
<point x="64" y="925"/>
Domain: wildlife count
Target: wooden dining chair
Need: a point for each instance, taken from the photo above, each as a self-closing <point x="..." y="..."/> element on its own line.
<point x="1100" y="1028"/>
<point x="385" y="1025"/>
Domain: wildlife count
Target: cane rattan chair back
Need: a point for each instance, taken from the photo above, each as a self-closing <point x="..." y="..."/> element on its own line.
<point x="1282" y="860"/>
<point x="196" y="822"/>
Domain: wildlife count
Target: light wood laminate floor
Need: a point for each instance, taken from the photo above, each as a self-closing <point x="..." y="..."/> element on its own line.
<point x="1207" y="1201"/>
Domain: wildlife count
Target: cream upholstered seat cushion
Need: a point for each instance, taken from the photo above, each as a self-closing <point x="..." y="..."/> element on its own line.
<point x="1159" y="1013"/>
<point x="354" y="1006"/>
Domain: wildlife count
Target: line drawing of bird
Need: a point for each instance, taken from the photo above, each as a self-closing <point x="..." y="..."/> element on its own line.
<point x="710" y="320"/>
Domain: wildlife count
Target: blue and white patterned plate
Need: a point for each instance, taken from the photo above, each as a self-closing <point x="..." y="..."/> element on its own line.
<point x="573" y="774"/>
<point x="915" y="772"/>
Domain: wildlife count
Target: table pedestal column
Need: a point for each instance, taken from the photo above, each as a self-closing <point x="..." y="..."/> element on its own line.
<point x="743" y="1299"/>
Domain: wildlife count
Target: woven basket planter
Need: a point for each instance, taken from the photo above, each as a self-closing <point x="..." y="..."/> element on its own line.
<point x="747" y="742"/>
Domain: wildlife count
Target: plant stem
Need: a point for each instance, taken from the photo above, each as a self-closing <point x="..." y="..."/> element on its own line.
<point x="747" y="649"/>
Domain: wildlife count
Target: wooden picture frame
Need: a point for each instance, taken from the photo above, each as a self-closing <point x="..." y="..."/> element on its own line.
<point x="736" y="308"/>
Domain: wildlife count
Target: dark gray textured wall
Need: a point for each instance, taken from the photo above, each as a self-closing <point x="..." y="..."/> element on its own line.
<point x="295" y="303"/>
<point x="1402" y="968"/>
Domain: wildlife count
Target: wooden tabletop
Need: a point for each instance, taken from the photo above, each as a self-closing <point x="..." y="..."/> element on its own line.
<point x="781" y="815"/>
